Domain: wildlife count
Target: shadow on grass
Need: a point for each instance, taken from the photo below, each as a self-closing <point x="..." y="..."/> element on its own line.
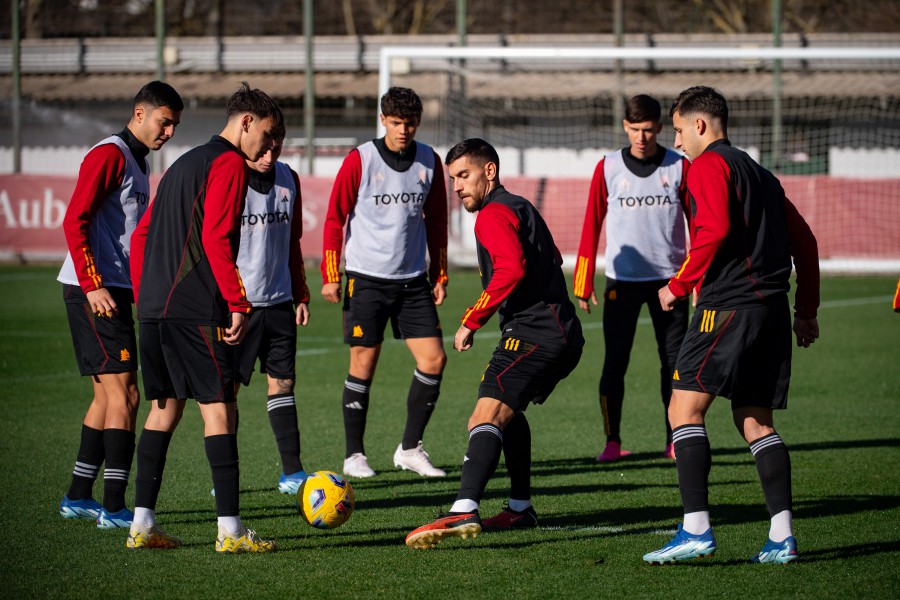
<point x="819" y="446"/>
<point x="641" y="520"/>
<point x="808" y="556"/>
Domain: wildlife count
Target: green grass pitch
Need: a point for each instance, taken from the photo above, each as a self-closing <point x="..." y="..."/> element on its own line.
<point x="842" y="427"/>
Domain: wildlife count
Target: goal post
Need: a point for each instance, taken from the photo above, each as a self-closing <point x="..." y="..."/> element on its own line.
<point x="826" y="120"/>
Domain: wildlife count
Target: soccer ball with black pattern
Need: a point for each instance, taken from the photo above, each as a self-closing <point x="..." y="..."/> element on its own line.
<point x="326" y="500"/>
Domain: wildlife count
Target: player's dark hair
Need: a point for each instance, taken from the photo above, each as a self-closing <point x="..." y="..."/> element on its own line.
<point x="159" y="93"/>
<point x="642" y="108"/>
<point x="476" y="149"/>
<point x="401" y="102"/>
<point x="701" y="99"/>
<point x="255" y="102"/>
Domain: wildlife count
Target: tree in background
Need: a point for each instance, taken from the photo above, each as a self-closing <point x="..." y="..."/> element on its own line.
<point x="134" y="18"/>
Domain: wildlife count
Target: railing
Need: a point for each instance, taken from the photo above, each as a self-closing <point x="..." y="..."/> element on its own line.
<point x="351" y="54"/>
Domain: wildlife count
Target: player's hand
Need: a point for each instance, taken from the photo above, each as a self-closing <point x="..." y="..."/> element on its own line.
<point x="102" y="303"/>
<point x="667" y="299"/>
<point x="585" y="306"/>
<point x="439" y="293"/>
<point x="235" y="334"/>
<point x="303" y="314"/>
<point x="464" y="339"/>
<point x="332" y="292"/>
<point x="806" y="330"/>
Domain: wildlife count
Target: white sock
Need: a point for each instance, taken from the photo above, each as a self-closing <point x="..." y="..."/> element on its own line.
<point x="519" y="505"/>
<point x="782" y="526"/>
<point x="696" y="523"/>
<point x="231" y="525"/>
<point x="464" y="506"/>
<point x="144" y="517"/>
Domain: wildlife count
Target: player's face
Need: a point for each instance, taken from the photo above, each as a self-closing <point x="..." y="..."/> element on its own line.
<point x="471" y="182"/>
<point x="154" y="126"/>
<point x="258" y="138"/>
<point x="399" y="132"/>
<point x="642" y="137"/>
<point x="687" y="135"/>
<point x="267" y="161"/>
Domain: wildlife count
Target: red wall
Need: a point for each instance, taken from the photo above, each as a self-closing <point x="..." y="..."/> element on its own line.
<point x="851" y="218"/>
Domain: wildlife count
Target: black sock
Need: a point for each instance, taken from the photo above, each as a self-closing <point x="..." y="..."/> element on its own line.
<point x="693" y="461"/>
<point x="87" y="464"/>
<point x="222" y="454"/>
<point x="773" y="463"/>
<point x="611" y="409"/>
<point x="151" y="462"/>
<point x="283" y="419"/>
<point x="356" y="407"/>
<point x="119" y="444"/>
<point x="517" y="455"/>
<point x="423" y="394"/>
<point x="482" y="456"/>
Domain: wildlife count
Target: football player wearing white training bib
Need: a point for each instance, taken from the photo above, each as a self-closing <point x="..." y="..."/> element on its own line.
<point x="390" y="194"/>
<point x="271" y="265"/>
<point x="111" y="195"/>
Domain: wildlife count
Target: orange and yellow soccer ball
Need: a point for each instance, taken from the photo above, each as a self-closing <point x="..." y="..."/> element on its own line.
<point x="326" y="500"/>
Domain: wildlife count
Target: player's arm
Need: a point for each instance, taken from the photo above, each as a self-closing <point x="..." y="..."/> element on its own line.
<point x="101" y="173"/>
<point x="435" y="214"/>
<point x="136" y="255"/>
<point x="897" y="298"/>
<point x="226" y="191"/>
<point x="684" y="197"/>
<point x="299" y="289"/>
<point x="497" y="230"/>
<point x="340" y="205"/>
<point x="586" y="261"/>
<point x="708" y="185"/>
<point x="805" y="251"/>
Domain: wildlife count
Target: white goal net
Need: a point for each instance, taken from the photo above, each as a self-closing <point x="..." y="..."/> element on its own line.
<point x="825" y="120"/>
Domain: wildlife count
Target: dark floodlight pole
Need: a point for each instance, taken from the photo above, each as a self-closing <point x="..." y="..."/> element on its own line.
<point x="777" y="133"/>
<point x="16" y="88"/>
<point x="618" y="100"/>
<point x="461" y="22"/>
<point x="462" y="40"/>
<point x="160" y="39"/>
<point x="309" y="97"/>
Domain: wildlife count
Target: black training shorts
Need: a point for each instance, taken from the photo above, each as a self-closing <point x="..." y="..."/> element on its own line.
<point x="180" y="360"/>
<point x="522" y="372"/>
<point x="742" y="354"/>
<point x="102" y="344"/>
<point x="369" y="304"/>
<point x="272" y="338"/>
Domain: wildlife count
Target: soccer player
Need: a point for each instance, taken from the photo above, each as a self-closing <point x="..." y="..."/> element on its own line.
<point x="896" y="303"/>
<point x="743" y="235"/>
<point x="192" y="310"/>
<point x="641" y="192"/>
<point x="271" y="265"/>
<point x="391" y="195"/>
<point x="111" y="195"/>
<point x="540" y="341"/>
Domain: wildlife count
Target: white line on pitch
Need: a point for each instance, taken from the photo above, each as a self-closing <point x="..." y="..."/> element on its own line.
<point x="855" y="301"/>
<point x="576" y="528"/>
<point x="314" y="351"/>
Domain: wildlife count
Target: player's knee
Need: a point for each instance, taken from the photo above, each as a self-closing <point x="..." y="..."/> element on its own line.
<point x="165" y="414"/>
<point x="432" y="363"/>
<point x="133" y="399"/>
<point x="435" y="365"/>
<point x="283" y="386"/>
